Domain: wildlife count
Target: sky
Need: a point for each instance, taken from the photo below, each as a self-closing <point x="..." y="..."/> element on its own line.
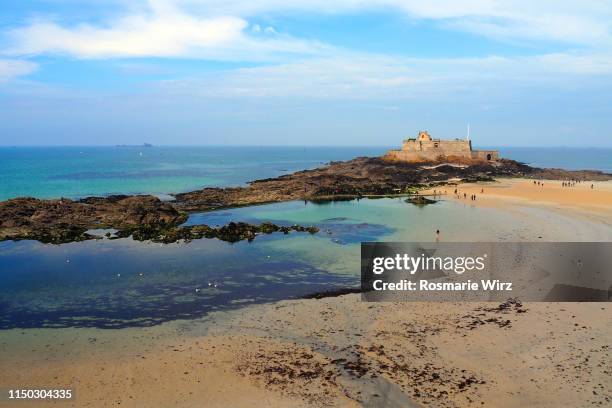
<point x="305" y="72"/>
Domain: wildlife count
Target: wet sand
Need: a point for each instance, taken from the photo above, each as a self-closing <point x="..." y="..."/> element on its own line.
<point x="342" y="352"/>
<point x="333" y="352"/>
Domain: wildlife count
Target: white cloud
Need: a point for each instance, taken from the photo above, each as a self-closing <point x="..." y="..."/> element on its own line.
<point x="214" y="29"/>
<point x="581" y="64"/>
<point x="163" y="31"/>
<point x="587" y="22"/>
<point x="365" y="76"/>
<point x="134" y="36"/>
<point x="210" y="29"/>
<point x="10" y="69"/>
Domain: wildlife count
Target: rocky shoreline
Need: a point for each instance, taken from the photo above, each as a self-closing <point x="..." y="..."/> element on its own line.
<point x="232" y="232"/>
<point x="146" y="217"/>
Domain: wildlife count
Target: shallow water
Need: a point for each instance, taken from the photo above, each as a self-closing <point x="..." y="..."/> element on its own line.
<point x="121" y="283"/>
<point x="78" y="171"/>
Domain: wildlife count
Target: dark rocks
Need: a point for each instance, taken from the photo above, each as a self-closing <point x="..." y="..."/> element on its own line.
<point x="142" y="217"/>
<point x="419" y="200"/>
<point x="63" y="220"/>
<point x="146" y="217"/>
<point x="240" y="231"/>
<point x="332" y="293"/>
<point x="477" y="179"/>
<point x="560" y="174"/>
<point x="60" y="233"/>
<point x="232" y="232"/>
<point x="361" y="177"/>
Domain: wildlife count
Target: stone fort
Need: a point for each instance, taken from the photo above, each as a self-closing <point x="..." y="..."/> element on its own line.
<point x="425" y="148"/>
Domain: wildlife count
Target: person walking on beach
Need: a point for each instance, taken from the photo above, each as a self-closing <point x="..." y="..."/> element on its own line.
<point x="438" y="235"/>
<point x="464" y="195"/>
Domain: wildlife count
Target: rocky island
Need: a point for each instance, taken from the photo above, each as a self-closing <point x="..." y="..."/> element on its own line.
<point x="147" y="218"/>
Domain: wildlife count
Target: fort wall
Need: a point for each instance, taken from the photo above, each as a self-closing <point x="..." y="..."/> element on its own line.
<point x="487" y="155"/>
<point x="424" y="148"/>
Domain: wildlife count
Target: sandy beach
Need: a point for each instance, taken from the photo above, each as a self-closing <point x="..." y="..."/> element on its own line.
<point x="581" y="198"/>
<point x="342" y="352"/>
<point x="334" y="352"/>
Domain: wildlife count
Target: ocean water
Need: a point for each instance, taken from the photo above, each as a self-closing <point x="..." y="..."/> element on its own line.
<point x="561" y="157"/>
<point x="73" y="172"/>
<point x="52" y="172"/>
<point x="124" y="283"/>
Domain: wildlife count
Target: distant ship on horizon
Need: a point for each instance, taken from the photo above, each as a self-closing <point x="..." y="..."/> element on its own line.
<point x="142" y="145"/>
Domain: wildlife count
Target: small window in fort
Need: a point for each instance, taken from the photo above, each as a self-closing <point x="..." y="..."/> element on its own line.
<point x="435" y="145"/>
<point x="489" y="156"/>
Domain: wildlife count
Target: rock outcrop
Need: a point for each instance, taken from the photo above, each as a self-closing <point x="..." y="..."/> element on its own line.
<point x="146" y="217"/>
<point x="64" y="220"/>
<point x="419" y="200"/>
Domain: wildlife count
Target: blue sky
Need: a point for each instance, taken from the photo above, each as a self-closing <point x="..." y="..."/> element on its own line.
<point x="305" y="72"/>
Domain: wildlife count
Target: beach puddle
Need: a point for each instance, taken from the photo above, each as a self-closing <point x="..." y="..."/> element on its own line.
<point x="120" y="283"/>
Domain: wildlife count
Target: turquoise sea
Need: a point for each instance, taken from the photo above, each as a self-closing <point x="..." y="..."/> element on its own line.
<point x="52" y="172"/>
<point x="124" y="283"/>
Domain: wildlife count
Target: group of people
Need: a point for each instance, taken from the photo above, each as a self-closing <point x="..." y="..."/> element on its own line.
<point x="568" y="183"/>
<point x="472" y="196"/>
<point x="571" y="183"/>
<point x="438" y="193"/>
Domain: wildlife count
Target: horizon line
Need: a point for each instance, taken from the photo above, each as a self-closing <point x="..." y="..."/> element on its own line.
<point x="279" y="145"/>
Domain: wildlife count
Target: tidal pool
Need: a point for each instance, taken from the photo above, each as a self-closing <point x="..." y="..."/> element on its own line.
<point x="120" y="283"/>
